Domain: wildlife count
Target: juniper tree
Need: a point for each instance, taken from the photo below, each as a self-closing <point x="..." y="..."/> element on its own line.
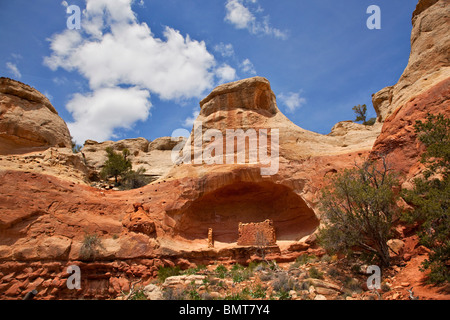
<point x="116" y="164"/>
<point x="361" y="115"/>
<point x="359" y="209"/>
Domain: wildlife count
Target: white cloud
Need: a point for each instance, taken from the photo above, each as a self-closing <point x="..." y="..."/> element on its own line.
<point x="97" y="114"/>
<point x="292" y="101"/>
<point x="248" y="67"/>
<point x="189" y="121"/>
<point x="226" y="73"/>
<point x="114" y="49"/>
<point x="174" y="69"/>
<point x="238" y="15"/>
<point x="226" y="50"/>
<point x="12" y="68"/>
<point x="245" y="14"/>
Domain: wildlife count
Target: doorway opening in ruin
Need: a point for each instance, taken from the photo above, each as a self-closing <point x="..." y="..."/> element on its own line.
<point x="224" y="208"/>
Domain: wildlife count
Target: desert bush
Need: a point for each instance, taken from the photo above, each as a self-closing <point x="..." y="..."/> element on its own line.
<point x="165" y="272"/>
<point x="239" y="273"/>
<point x="90" y="247"/>
<point x="430" y="196"/>
<point x="173" y="294"/>
<point x="221" y="271"/>
<point x="283" y="282"/>
<point x="333" y="272"/>
<point x="134" y="179"/>
<point x="258" y="292"/>
<point x="315" y="273"/>
<point x="359" y="209"/>
<point x="352" y="285"/>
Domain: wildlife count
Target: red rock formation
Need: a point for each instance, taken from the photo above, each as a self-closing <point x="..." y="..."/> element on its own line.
<point x="398" y="140"/>
<point x="44" y="218"/>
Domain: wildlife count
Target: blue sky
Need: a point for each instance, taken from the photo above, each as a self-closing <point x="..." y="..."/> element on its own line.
<point x="139" y="68"/>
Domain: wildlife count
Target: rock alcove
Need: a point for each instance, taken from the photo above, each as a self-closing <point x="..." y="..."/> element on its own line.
<point x="224" y="208"/>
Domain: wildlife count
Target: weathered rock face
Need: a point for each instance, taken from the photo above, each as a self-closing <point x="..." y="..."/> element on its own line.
<point x="398" y="140"/>
<point x="60" y="162"/>
<point x="429" y="61"/>
<point x="225" y="193"/>
<point x="423" y="88"/>
<point x="28" y="121"/>
<point x="154" y="157"/>
<point x="250" y="104"/>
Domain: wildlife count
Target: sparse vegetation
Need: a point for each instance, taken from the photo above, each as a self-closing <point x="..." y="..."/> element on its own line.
<point x="315" y="273"/>
<point x="75" y="147"/>
<point x="165" y="272"/>
<point x="134" y="179"/>
<point x="361" y="115"/>
<point x="359" y="207"/>
<point x="221" y="271"/>
<point x="90" y="247"/>
<point x="258" y="281"/>
<point x="430" y="196"/>
<point x="118" y="165"/>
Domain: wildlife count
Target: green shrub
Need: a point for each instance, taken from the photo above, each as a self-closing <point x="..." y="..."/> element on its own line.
<point x="352" y="285"/>
<point x="165" y="272"/>
<point x="116" y="164"/>
<point x="430" y="197"/>
<point x="134" y="179"/>
<point x="315" y="273"/>
<point x="359" y="209"/>
<point x="258" y="292"/>
<point x="221" y="271"/>
<point x="173" y="294"/>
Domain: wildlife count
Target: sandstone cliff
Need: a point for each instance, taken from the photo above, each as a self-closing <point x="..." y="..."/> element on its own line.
<point x="429" y="61"/>
<point x="154" y="157"/>
<point x="28" y="121"/>
<point x="423" y="88"/>
<point x="47" y="209"/>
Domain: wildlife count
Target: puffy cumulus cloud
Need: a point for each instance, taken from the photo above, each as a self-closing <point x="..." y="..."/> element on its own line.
<point x="238" y="14"/>
<point x="97" y="114"/>
<point x="292" y="101"/>
<point x="113" y="49"/>
<point x="225" y="73"/>
<point x="247" y="14"/>
<point x="174" y="69"/>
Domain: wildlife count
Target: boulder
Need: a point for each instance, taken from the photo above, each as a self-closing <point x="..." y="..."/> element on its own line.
<point x="28" y="121"/>
<point x="396" y="247"/>
<point x="153" y="292"/>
